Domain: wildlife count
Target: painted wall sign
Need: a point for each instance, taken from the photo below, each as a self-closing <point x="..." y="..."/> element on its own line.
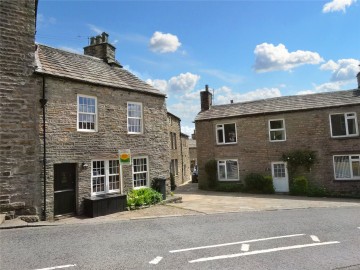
<point x="125" y="156"/>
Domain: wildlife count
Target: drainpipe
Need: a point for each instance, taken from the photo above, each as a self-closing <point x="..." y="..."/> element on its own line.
<point x="43" y="102"/>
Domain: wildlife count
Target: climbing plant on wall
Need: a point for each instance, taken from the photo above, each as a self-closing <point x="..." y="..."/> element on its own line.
<point x="299" y="158"/>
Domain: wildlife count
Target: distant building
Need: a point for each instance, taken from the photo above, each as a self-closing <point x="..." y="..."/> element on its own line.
<point x="193" y="154"/>
<point x="179" y="151"/>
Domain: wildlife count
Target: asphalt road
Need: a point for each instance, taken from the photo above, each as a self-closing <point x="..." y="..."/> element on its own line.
<point x="285" y="239"/>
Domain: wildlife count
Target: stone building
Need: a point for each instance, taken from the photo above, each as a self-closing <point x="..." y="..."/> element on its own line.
<point x="185" y="153"/>
<point x="254" y="137"/>
<point x="192" y="152"/>
<point x="64" y="118"/>
<point x="20" y="164"/>
<point x="179" y="151"/>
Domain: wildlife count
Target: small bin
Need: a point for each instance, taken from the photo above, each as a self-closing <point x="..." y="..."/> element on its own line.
<point x="159" y="184"/>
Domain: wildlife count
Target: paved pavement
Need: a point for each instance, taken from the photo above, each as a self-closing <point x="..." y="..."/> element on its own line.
<point x="199" y="202"/>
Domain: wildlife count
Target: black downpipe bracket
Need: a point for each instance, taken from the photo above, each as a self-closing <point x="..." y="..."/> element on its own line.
<point x="43" y="102"/>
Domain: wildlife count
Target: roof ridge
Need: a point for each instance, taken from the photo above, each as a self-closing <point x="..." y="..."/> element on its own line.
<point x="287" y="96"/>
<point x="65" y="51"/>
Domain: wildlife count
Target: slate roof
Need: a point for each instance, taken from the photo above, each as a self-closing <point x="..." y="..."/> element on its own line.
<point x="282" y="104"/>
<point x="88" y="69"/>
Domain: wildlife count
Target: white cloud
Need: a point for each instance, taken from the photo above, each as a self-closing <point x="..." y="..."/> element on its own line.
<point x="164" y="43"/>
<point x="325" y="87"/>
<point x="185" y="82"/>
<point x="342" y="70"/>
<point x="224" y="94"/>
<point x="188" y="130"/>
<point x="337" y="5"/>
<point x="95" y="29"/>
<point x="158" y="84"/>
<point x="73" y="50"/>
<point x="181" y="84"/>
<point x="270" y="58"/>
<point x="45" y="21"/>
<point x="185" y="110"/>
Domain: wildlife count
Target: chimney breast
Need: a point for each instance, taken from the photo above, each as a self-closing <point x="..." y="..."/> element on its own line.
<point x="205" y="99"/>
<point x="100" y="47"/>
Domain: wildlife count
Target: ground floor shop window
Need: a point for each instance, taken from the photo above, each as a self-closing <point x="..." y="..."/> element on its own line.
<point x="105" y="176"/>
<point x="228" y="170"/>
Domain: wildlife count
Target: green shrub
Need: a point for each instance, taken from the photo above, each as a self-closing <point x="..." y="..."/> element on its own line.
<point x="229" y="187"/>
<point x="255" y="182"/>
<point x="299" y="186"/>
<point x="316" y="191"/>
<point x="211" y="170"/>
<point x="268" y="186"/>
<point x="143" y="196"/>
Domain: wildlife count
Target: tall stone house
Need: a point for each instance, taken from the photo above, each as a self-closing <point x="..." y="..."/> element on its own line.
<point x="179" y="151"/>
<point x="185" y="153"/>
<point x="254" y="137"/>
<point x="65" y="117"/>
<point x="20" y="164"/>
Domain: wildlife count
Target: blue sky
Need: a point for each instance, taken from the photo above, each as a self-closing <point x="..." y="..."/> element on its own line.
<point x="244" y="50"/>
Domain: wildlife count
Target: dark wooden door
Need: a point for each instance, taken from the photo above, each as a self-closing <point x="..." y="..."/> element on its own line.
<point x="64" y="188"/>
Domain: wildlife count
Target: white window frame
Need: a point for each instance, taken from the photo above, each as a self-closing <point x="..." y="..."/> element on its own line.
<point x="147" y="172"/>
<point x="86" y="113"/>
<point x="132" y="117"/>
<point x="351" y="157"/>
<point x="107" y="175"/>
<point x="277" y="129"/>
<point x="223" y="161"/>
<point x="346" y="118"/>
<point x="221" y="126"/>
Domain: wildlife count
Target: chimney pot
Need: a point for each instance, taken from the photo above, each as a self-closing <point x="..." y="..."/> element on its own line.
<point x="99" y="47"/>
<point x="104" y="37"/>
<point x="205" y="99"/>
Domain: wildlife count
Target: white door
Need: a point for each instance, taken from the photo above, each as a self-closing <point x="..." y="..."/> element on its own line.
<point x="280" y="176"/>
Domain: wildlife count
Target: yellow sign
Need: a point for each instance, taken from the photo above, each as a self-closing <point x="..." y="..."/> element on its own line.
<point x="125" y="156"/>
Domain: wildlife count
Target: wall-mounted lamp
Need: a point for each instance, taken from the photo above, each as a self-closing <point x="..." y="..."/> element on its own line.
<point x="84" y="166"/>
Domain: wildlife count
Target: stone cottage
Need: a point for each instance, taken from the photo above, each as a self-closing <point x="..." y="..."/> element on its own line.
<point x="255" y="136"/>
<point x="66" y="118"/>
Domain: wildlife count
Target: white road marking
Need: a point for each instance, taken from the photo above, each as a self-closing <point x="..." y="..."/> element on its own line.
<point x="315" y="238"/>
<point x="245" y="247"/>
<point x="235" y="243"/>
<point x="58" y="267"/>
<point x="261" y="251"/>
<point x="156" y="260"/>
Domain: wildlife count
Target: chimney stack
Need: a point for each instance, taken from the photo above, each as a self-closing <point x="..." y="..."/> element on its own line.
<point x="205" y="99"/>
<point x="231" y="101"/>
<point x="101" y="48"/>
<point x="358" y="79"/>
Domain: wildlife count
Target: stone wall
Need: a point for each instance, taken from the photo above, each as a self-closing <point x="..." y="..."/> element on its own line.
<point x="20" y="183"/>
<point x="67" y="145"/>
<point x="185" y="158"/>
<point x="174" y="127"/>
<point x="304" y="130"/>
